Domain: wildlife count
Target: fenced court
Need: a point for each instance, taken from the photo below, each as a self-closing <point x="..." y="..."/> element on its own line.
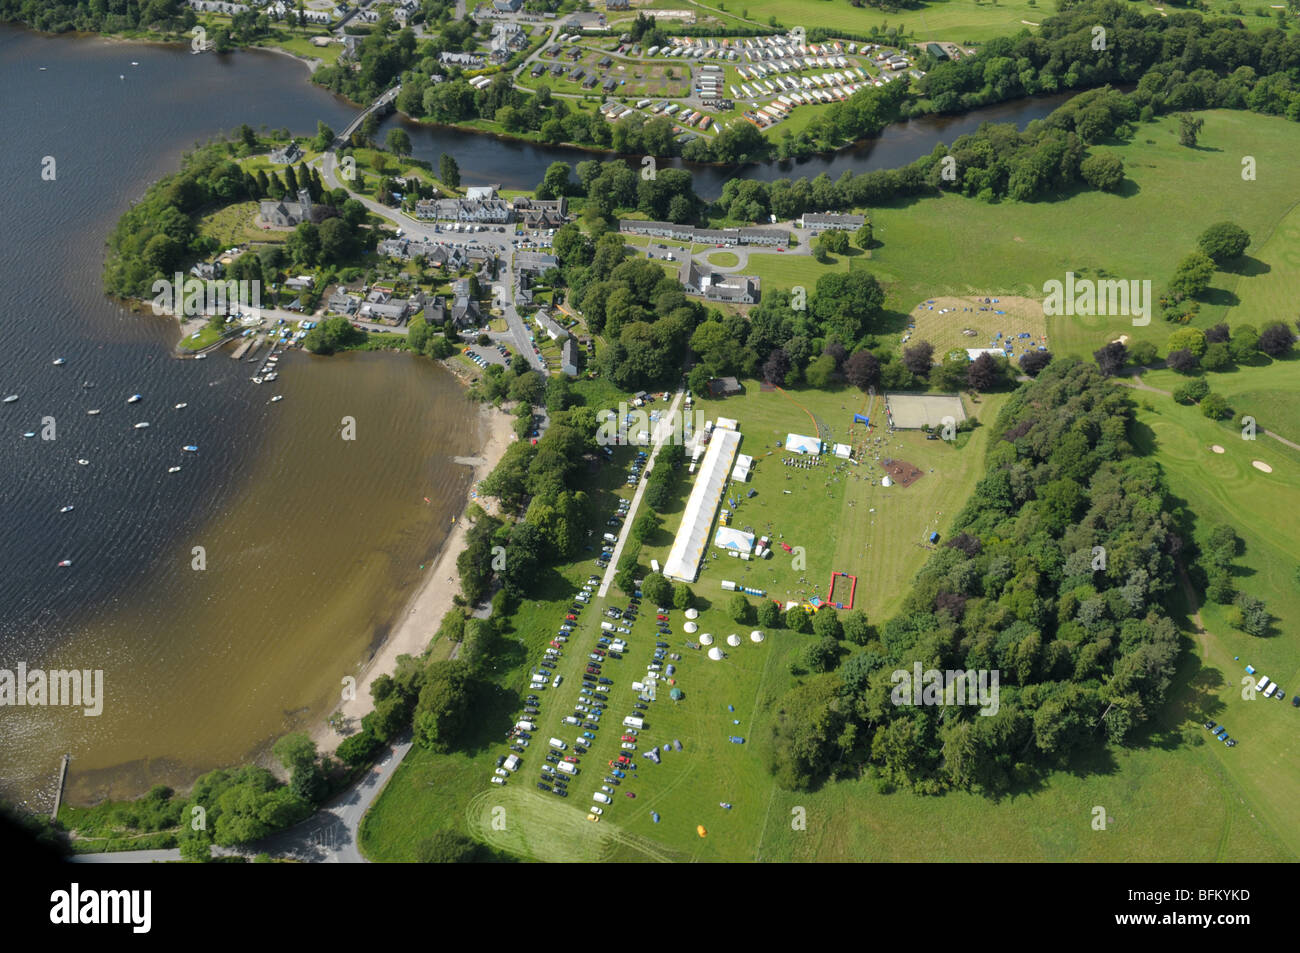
<point x="914" y="411"/>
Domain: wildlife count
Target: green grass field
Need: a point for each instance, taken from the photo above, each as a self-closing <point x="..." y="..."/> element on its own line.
<point x="957" y="246"/>
<point x="724" y="259"/>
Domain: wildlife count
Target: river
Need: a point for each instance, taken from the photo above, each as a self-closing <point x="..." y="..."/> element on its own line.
<point x="309" y="544"/>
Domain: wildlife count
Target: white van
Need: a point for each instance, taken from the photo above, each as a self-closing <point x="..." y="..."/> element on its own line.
<point x="632" y="721"/>
<point x="611" y="538"/>
<point x="602" y="797"/>
<point x="557" y="744"/>
<point x="572" y="720"/>
<point x="566" y="767"/>
<point x="607" y="626"/>
<point x="1264" y="685"/>
<point x="525" y="725"/>
<point x="638" y="686"/>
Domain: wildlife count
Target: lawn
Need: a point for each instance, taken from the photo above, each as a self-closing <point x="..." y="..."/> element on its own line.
<point x="956" y="246"/>
<point x="1226" y="489"/>
<point x="784" y="270"/>
<point x="724" y="259"/>
<point x="944" y="321"/>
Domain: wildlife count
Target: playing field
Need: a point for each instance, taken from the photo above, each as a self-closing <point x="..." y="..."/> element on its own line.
<point x="914" y="411"/>
<point x="951" y="323"/>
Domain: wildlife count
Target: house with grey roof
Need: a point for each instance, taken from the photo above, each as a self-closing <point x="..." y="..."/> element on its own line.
<point x="570" y="357"/>
<point x="549" y="327"/>
<point x="279" y="213"/>
<point x="823" y="220"/>
<point x="287" y="155"/>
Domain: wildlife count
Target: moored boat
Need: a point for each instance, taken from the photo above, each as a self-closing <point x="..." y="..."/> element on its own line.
<point x="135" y="398"/>
<point x="65" y="563"/>
<point x="141" y="425"/>
<point x="11" y="398"/>
<point x="190" y="448"/>
<point x="93" y="412"/>
<point x="66" y="509"/>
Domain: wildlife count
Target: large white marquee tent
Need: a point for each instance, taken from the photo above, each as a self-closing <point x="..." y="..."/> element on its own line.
<point x="683" y="563"/>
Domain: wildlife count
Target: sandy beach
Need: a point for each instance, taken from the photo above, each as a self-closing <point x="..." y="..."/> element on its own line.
<point x="430" y="602"/>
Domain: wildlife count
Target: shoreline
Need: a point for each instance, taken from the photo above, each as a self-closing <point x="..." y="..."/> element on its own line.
<point x="414" y="628"/>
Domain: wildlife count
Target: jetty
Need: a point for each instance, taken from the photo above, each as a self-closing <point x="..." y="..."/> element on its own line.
<point x="58" y="791"/>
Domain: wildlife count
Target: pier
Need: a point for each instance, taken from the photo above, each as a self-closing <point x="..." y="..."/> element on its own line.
<point x="58" y="792"/>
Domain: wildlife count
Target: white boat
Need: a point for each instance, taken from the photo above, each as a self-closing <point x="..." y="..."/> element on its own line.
<point x="257" y="380"/>
<point x="66" y="509"/>
<point x="65" y="563"/>
<point x="190" y="448"/>
<point x="59" y="361"/>
<point x="30" y="433"/>
<point x="182" y="405"/>
<point x="11" y="398"/>
<point x="83" y="461"/>
<point x="271" y="376"/>
<point x="93" y="412"/>
<point x="134" y="398"/>
<point x="134" y="63"/>
<point x="277" y="397"/>
<point x="141" y="425"/>
<point x="173" y="469"/>
<point x="200" y="357"/>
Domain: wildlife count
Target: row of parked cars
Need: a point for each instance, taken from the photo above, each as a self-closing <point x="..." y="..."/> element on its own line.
<point x="610" y="538"/>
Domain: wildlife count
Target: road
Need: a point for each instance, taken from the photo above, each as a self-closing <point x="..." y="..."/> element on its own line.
<point x="662" y="431"/>
<point x="327" y="837"/>
<point x="500" y="243"/>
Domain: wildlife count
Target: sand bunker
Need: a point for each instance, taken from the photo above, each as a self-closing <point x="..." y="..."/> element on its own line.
<point x="1217" y="449"/>
<point x="1261" y="465"/>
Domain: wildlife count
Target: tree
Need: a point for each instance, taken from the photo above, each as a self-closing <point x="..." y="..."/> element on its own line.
<point x="1189" y="128"/>
<point x="821" y="655"/>
<point x="1192" y="276"/>
<point x="1276" y="340"/>
<point x="863" y="236"/>
<point x="739" y="609"/>
<point x="556" y="183"/>
<point x="324" y="136"/>
<point x="918" y="358"/>
<point x="1142" y="354"/>
<point x="1182" y="360"/>
<point x="1252" y="615"/>
<point x="399" y="142"/>
<point x="983" y="373"/>
<point x="1191" y="391"/>
<point x="449" y="171"/>
<point x="1193" y="339"/>
<point x="1110" y="358"/>
<point x="1033" y="362"/>
<point x="1214" y="406"/>
<point x="683" y="598"/>
<point x="777" y="367"/>
<point x="856" y="629"/>
<point x="1103" y="170"/>
<point x="862" y="369"/>
<point x="821" y="372"/>
<point x="1216" y="357"/>
<point x="443" y="709"/>
<point x="826" y="623"/>
<point x="834" y="241"/>
<point x="656" y="589"/>
<point x="796" y="619"/>
<point x="769" y="616"/>
<point x="1244" y="345"/>
<point x="1224" y="241"/>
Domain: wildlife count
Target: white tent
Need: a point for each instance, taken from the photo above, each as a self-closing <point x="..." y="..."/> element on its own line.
<point x="733" y="639"/>
<point x="885" y="481"/>
<point x="756" y="636"/>
<point x="691" y="627"/>
<point x="797" y="443"/>
<point x="683" y="563"/>
<point x="843" y="450"/>
<point x="715" y="653"/>
<point x="726" y="423"/>
<point x="728" y="538"/>
<point x="692" y="613"/>
<point x="706" y="639"/>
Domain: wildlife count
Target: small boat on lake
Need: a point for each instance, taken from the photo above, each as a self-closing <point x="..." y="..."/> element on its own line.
<point x="59" y="361"/>
<point x="200" y="357"/>
<point x="141" y="425"/>
<point x="65" y="563"/>
<point x="182" y="405"/>
<point x="93" y="412"/>
<point x="135" y="398"/>
<point x="257" y="380"/>
<point x="277" y="397"/>
<point x="83" y="461"/>
<point x="173" y="469"/>
<point x="30" y="433"/>
<point x="11" y="398"/>
<point x="190" y="448"/>
<point x="66" y="509"/>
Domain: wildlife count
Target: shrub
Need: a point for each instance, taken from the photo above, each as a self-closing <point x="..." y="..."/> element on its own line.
<point x="1214" y="406"/>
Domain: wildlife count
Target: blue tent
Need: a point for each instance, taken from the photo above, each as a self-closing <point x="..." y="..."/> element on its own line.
<point x="861" y="419"/>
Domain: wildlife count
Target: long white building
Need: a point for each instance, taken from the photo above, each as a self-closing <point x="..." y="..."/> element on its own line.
<point x="683" y="563"/>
